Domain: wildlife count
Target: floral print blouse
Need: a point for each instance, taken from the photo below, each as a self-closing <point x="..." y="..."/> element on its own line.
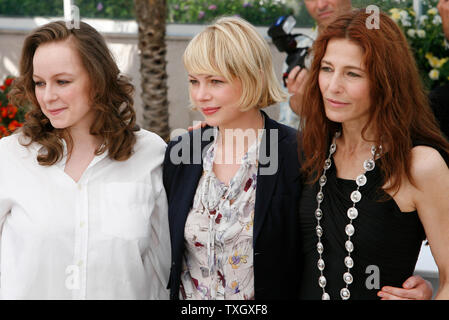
<point x="218" y="260"/>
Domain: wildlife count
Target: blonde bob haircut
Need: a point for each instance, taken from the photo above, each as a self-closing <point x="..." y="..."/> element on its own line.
<point x="233" y="49"/>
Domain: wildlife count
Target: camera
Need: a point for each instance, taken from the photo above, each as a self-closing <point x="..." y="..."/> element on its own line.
<point x="295" y="45"/>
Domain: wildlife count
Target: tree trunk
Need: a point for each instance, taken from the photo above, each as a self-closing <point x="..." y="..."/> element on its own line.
<point x="150" y="16"/>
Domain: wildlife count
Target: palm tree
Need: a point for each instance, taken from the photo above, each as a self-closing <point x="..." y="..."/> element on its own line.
<point x="150" y="16"/>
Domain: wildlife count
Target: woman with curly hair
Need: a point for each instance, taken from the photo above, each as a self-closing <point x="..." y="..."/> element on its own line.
<point x="87" y="216"/>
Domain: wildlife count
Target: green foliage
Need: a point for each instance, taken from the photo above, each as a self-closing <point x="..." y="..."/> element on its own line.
<point x="111" y="9"/>
<point x="426" y="39"/>
<point x="30" y="8"/>
<point x="384" y="5"/>
<point x="260" y="12"/>
<point x="263" y="12"/>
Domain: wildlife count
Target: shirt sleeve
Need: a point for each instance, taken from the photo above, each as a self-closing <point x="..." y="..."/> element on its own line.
<point x="160" y="252"/>
<point x="5" y="203"/>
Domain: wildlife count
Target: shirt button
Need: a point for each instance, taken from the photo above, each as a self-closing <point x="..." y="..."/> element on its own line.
<point x="79" y="187"/>
<point x="80" y="263"/>
<point x="82" y="224"/>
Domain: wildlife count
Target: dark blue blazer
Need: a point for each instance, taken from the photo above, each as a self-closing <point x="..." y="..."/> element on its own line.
<point x="275" y="238"/>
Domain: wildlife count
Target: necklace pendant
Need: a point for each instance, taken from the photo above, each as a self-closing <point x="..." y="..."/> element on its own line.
<point x="352" y="213"/>
<point x="320" y="197"/>
<point x="325" y="296"/>
<point x="322" y="281"/>
<point x="369" y="165"/>
<point x="361" y="180"/>
<point x="349" y="229"/>
<point x="318" y="214"/>
<point x="349" y="246"/>
<point x="327" y="163"/>
<point x="319" y="247"/>
<point x="319" y="231"/>
<point x="347" y="278"/>
<point x="323" y="180"/>
<point x="332" y="148"/>
<point x="345" y="294"/>
<point x="320" y="264"/>
<point x="356" y="196"/>
<point x="349" y="263"/>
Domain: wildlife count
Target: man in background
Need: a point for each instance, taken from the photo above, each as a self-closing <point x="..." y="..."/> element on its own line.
<point x="323" y="12"/>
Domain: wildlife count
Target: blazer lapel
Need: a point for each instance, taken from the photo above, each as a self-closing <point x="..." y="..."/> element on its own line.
<point x="266" y="182"/>
<point x="183" y="198"/>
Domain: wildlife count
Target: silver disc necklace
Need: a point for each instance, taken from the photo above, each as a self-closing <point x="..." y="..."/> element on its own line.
<point x="352" y="214"/>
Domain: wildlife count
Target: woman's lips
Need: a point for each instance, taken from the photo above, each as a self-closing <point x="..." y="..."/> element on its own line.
<point x="209" y="111"/>
<point x="336" y="103"/>
<point x="55" y="112"/>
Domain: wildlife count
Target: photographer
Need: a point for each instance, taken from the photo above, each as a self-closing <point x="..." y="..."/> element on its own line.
<point x="323" y="12"/>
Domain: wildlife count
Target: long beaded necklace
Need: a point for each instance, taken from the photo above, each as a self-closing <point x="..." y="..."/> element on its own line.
<point x="352" y="214"/>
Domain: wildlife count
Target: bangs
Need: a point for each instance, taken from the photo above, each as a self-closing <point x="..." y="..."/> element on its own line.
<point x="200" y="57"/>
<point x="232" y="48"/>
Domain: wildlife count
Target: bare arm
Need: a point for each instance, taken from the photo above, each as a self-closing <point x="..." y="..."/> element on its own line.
<point x="431" y="197"/>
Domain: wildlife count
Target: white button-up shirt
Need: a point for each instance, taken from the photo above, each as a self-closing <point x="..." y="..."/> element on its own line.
<point x="105" y="237"/>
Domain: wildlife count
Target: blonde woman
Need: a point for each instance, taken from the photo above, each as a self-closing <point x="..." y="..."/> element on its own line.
<point x="233" y="185"/>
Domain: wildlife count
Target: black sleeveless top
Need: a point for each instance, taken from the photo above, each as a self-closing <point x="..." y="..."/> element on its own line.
<point x="386" y="241"/>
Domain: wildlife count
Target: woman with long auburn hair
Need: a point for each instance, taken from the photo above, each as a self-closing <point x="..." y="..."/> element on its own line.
<point x="83" y="211"/>
<point x="375" y="165"/>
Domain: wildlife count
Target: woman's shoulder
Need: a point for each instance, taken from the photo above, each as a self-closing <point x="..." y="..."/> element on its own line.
<point x="427" y="163"/>
<point x="8" y="140"/>
<point x="14" y="142"/>
<point x="149" y="140"/>
<point x="149" y="149"/>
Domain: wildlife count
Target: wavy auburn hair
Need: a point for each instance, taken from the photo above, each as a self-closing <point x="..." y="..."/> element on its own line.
<point x="110" y="95"/>
<point x="399" y="110"/>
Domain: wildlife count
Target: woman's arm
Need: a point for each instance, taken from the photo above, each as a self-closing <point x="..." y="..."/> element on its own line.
<point x="431" y="197"/>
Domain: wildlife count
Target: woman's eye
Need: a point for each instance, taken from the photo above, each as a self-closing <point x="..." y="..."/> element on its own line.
<point x="192" y="81"/>
<point x="352" y="74"/>
<point x="38" y="83"/>
<point x="62" y="82"/>
<point x="216" y="81"/>
<point x="326" y="69"/>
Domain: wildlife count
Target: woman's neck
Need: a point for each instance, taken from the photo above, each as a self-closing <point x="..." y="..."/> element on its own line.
<point x="235" y="138"/>
<point x="247" y="126"/>
<point x="352" y="141"/>
<point x="82" y="140"/>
